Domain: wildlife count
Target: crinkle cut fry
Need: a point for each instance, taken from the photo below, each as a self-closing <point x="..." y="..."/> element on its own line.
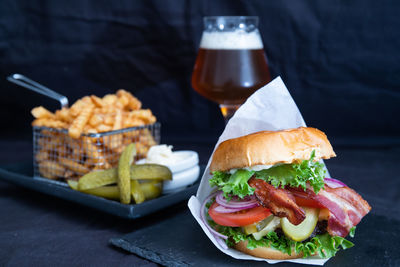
<point x="75" y="130"/>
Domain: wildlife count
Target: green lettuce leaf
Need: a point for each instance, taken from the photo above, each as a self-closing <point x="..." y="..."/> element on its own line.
<point x="325" y="245"/>
<point x="352" y="231"/>
<point x="295" y="175"/>
<point x="233" y="185"/>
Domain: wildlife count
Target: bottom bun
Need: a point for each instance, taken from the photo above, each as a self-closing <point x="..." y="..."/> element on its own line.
<point x="266" y="252"/>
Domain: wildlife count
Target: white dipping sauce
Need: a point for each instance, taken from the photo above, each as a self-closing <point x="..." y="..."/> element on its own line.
<point x="183" y="165"/>
<point x="162" y="154"/>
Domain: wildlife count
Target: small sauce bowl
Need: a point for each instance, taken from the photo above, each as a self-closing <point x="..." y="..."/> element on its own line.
<point x="184" y="173"/>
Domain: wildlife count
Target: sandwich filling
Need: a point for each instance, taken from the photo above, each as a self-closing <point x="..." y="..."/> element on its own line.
<point x="288" y="207"/>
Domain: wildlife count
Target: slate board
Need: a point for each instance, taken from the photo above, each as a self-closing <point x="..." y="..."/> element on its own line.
<point x="179" y="241"/>
<point x="20" y="174"/>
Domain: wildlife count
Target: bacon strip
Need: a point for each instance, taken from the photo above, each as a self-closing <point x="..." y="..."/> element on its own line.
<point x="280" y="201"/>
<point x="346" y="207"/>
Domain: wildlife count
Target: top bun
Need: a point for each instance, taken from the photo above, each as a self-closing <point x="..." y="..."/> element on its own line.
<point x="270" y="148"/>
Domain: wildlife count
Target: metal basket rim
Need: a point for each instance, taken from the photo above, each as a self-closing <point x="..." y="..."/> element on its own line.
<point x="97" y="135"/>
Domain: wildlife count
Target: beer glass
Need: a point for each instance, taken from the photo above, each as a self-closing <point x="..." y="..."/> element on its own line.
<point x="231" y="63"/>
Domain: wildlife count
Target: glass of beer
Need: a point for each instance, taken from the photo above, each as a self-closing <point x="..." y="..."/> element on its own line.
<point x="231" y="63"/>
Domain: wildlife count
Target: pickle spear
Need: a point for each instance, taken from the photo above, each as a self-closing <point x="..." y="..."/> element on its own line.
<point x="151" y="189"/>
<point x="124" y="177"/>
<point x="109" y="192"/>
<point x="138" y="172"/>
<point x="97" y="179"/>
<point x="73" y="184"/>
<point x="150" y="171"/>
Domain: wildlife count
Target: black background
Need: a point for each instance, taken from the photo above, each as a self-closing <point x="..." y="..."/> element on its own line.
<point x="339" y="60"/>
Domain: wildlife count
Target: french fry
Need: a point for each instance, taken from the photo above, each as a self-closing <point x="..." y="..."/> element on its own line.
<point x="94" y="152"/>
<point x="95" y="120"/>
<point x="76" y="108"/>
<point x="131" y="135"/>
<point x="108" y="110"/>
<point x="77" y="150"/>
<point x="146" y="140"/>
<point x="112" y="159"/>
<point x="118" y="120"/>
<point x="46" y="122"/>
<point x="64" y="115"/>
<point x="63" y="151"/>
<point x="51" y="169"/>
<point x="103" y="128"/>
<point x="109" y="100"/>
<point x="74" y="153"/>
<point x="75" y="130"/>
<point x="41" y="155"/>
<point x="70" y="175"/>
<point x="113" y="141"/>
<point x="49" y="143"/>
<point x="133" y="102"/>
<point x="97" y="101"/>
<point x="103" y="114"/>
<point x="123" y="100"/>
<point x="90" y="130"/>
<point x="109" y="119"/>
<point x="40" y="112"/>
<point x="144" y="114"/>
<point x="87" y="100"/>
<point x="132" y="122"/>
<point x="73" y="166"/>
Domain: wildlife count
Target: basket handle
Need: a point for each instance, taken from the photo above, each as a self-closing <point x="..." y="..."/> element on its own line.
<point x="23" y="81"/>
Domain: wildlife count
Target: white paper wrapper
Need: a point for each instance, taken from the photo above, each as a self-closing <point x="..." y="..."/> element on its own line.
<point x="270" y="108"/>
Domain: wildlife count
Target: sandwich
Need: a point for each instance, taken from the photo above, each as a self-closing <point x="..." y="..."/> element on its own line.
<point x="272" y="198"/>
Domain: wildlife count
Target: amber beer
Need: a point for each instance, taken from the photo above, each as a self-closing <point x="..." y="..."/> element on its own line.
<point x="230" y="76"/>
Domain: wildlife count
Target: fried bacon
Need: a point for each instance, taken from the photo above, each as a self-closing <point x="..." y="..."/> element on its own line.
<point x="280" y="201"/>
<point x="346" y="207"/>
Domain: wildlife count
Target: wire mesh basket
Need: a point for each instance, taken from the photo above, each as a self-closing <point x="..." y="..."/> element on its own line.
<point x="57" y="156"/>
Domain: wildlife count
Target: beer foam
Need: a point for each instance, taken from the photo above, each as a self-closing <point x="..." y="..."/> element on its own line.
<point x="231" y="40"/>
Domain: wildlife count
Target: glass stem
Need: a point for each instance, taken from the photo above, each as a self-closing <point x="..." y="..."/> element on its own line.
<point x="228" y="110"/>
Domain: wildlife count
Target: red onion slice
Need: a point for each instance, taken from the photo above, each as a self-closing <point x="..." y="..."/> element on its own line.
<point x="234" y="204"/>
<point x="222" y="209"/>
<point x="203" y="218"/>
<point x="333" y="183"/>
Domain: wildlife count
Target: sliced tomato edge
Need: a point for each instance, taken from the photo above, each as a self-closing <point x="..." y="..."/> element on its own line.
<point x="226" y="219"/>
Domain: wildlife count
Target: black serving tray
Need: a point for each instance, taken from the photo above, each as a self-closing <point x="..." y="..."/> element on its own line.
<point x="21" y="174"/>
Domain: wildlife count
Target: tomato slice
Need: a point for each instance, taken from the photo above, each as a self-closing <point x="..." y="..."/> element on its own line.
<point x="306" y="202"/>
<point x="240" y="218"/>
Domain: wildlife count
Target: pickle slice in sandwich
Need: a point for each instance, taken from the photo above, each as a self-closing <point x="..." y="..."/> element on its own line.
<point x="304" y="229"/>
